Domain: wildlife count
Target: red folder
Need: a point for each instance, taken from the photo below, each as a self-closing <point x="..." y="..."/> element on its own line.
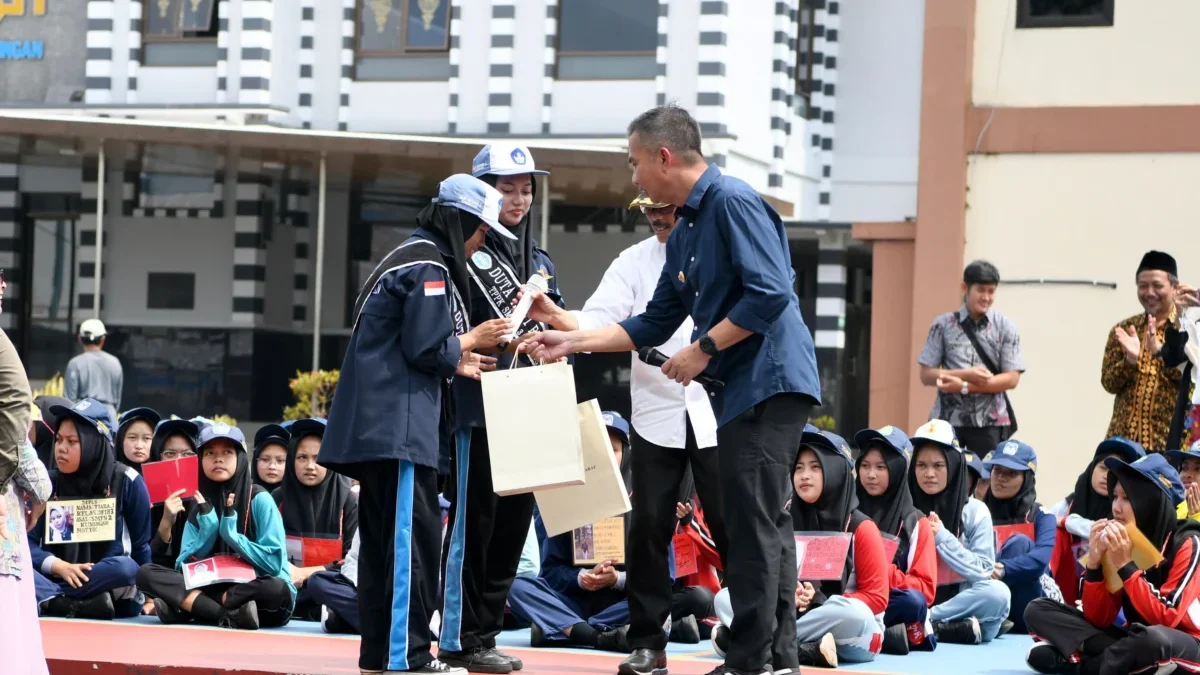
<point x="821" y="556"/>
<point x="313" y="551"/>
<point x="685" y="555"/>
<point x="221" y="569"/>
<point x="164" y="478"/>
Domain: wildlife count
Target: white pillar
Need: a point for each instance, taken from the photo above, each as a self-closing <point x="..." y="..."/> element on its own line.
<point x="319" y="276"/>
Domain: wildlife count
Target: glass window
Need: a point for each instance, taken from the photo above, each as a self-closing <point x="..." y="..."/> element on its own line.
<point x="607" y="26"/>
<point x="1064" y="13"/>
<point x="178" y="177"/>
<point x="180" y="19"/>
<point x="170" y="290"/>
<point x="806" y="24"/>
<point x="391" y="27"/>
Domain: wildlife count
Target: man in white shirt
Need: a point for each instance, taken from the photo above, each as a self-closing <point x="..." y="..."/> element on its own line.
<point x="673" y="426"/>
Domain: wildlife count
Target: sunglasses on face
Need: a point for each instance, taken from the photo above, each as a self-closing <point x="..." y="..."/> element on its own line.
<point x="660" y="211"/>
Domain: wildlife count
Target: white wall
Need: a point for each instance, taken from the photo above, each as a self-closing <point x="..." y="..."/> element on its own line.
<point x="683" y="44"/>
<point x="474" y="42"/>
<point x="285" y="60"/>
<point x="878" y="110"/>
<point x="399" y="107"/>
<point x="601" y="106"/>
<point x="1147" y="57"/>
<point x="327" y="64"/>
<point x="1105" y="211"/>
<point x="748" y="75"/>
<point x="529" y="55"/>
<point x="160" y="84"/>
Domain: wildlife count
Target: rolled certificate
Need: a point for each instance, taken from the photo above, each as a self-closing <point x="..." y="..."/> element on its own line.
<point x="537" y="282"/>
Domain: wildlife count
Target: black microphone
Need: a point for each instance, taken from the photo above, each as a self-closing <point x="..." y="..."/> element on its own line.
<point x="653" y="357"/>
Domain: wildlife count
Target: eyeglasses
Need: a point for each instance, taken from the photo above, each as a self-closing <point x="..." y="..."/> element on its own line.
<point x="659" y="211"/>
<point x="176" y="454"/>
<point x="271" y="462"/>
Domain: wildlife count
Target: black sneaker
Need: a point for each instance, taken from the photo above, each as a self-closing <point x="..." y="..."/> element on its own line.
<point x="720" y="640"/>
<point x="98" y="607"/>
<point x="614" y="640"/>
<point x="516" y="663"/>
<point x="959" y="632"/>
<point x="726" y="670"/>
<point x="437" y="667"/>
<point x="537" y="636"/>
<point x="644" y="662"/>
<point x="1044" y="657"/>
<point x="59" y="606"/>
<point x="477" y="660"/>
<point x="168" y="614"/>
<point x="821" y="654"/>
<point x="1005" y="626"/>
<point x="242" y="618"/>
<point x="685" y="631"/>
<point x="331" y="622"/>
<point x="895" y="640"/>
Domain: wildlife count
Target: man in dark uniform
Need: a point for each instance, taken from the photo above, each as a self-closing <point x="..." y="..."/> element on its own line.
<point x="728" y="266"/>
<point x="389" y="417"/>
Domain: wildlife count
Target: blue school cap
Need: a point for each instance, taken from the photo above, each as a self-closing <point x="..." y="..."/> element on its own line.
<point x="1130" y="451"/>
<point x="829" y="441"/>
<point x="147" y="415"/>
<point x="176" y="425"/>
<point x="811" y="429"/>
<point x="975" y="465"/>
<point x="1155" y="468"/>
<point x="1177" y="456"/>
<point x="468" y="193"/>
<point x="504" y="159"/>
<point x="889" y="435"/>
<point x="310" y="426"/>
<point x="617" y="424"/>
<point x="1013" y="455"/>
<point x="90" y="412"/>
<point x="217" y="430"/>
<point x="271" y="433"/>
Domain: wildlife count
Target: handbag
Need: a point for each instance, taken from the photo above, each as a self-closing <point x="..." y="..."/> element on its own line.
<point x="969" y="331"/>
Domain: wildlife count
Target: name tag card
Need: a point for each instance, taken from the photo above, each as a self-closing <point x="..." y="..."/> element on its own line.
<point x="821" y="556"/>
<point x="313" y="551"/>
<point x="81" y="520"/>
<point x="891" y="544"/>
<point x="595" y="543"/>
<point x="1006" y="532"/>
<point x="685" y="555"/>
<point x="945" y="575"/>
<point x="221" y="569"/>
<point x="165" y="478"/>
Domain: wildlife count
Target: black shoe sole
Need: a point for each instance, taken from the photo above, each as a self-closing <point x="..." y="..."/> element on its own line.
<point x="472" y="667"/>
<point x="630" y="670"/>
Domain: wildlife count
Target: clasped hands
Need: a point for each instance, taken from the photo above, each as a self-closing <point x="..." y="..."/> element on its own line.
<point x="1109" y="537"/>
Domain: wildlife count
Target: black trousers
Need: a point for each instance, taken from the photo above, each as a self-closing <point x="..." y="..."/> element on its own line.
<point x="979" y="440"/>
<point x="757" y="451"/>
<point x="657" y="473"/>
<point x="270" y="594"/>
<point x="485" y="534"/>
<point x="1110" y="650"/>
<point x="399" y="532"/>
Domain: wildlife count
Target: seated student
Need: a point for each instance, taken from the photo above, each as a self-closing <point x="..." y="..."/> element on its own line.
<point x="318" y="509"/>
<point x="1187" y="463"/>
<point x="174" y="438"/>
<point x="1076" y="513"/>
<point x="883" y="496"/>
<point x="969" y="606"/>
<point x="1024" y="530"/>
<point x="980" y="479"/>
<point x="706" y="580"/>
<point x="249" y="527"/>
<point x="135" y="433"/>
<point x="337" y="593"/>
<point x="840" y="619"/>
<point x="43" y="434"/>
<point x="271" y="455"/>
<point x="1160" y="603"/>
<point x="90" y="580"/>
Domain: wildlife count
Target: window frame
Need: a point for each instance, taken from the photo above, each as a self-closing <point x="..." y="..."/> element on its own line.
<point x="405" y="7"/>
<point x="803" y="83"/>
<point x="145" y="156"/>
<point x="559" y="52"/>
<point x="179" y="36"/>
<point x="1025" y="19"/>
<point x="151" y="287"/>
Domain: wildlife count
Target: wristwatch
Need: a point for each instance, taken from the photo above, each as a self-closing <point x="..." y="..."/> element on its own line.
<point x="708" y="346"/>
<point x="964" y="389"/>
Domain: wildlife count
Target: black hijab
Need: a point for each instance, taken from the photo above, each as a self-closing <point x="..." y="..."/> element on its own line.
<point x="147" y="415"/>
<point x="521" y="249"/>
<point x="268" y="435"/>
<point x="43" y="434"/>
<point x="1018" y="509"/>
<point x="1085" y="501"/>
<point x="164" y="430"/>
<point x="453" y="227"/>
<point x="315" y="511"/>
<point x="892" y="511"/>
<point x="948" y="503"/>
<point x="215" y="493"/>
<point x="1154" y="514"/>
<point x="92" y="480"/>
<point x="833" y="509"/>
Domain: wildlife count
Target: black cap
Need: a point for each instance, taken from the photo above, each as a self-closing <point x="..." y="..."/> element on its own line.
<point x="1159" y="262"/>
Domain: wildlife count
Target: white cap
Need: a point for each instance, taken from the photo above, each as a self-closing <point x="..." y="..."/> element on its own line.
<point x="92" y="328"/>
<point x="936" y="431"/>
<point x="504" y="159"/>
<point x="472" y="195"/>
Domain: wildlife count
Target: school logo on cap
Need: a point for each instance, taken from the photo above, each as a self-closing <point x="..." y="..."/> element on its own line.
<point x="518" y="157"/>
<point x="1032" y="466"/>
<point x="83" y="405"/>
<point x="608" y="420"/>
<point x="1010" y="448"/>
<point x="102" y="427"/>
<point x="482" y="260"/>
<point x="988" y="457"/>
<point x="845" y="450"/>
<point x="1165" y="481"/>
<point x="969" y="456"/>
<point x="887" y="431"/>
<point x="220" y="428"/>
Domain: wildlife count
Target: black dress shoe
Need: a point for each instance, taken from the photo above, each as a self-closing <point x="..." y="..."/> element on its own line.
<point x="644" y="662"/>
<point x="98" y="607"/>
<point x="59" y="606"/>
<point x="537" y="636"/>
<point x="476" y="660"/>
<point x="895" y="640"/>
<point x="168" y="614"/>
<point x="685" y="631"/>
<point x="516" y="663"/>
<point x="614" y="640"/>
<point x="242" y="618"/>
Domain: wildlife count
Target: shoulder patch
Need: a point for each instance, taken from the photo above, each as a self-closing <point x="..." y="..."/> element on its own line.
<point x="131" y="474"/>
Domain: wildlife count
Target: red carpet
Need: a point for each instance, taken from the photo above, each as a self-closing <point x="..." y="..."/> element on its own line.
<point x="75" y="647"/>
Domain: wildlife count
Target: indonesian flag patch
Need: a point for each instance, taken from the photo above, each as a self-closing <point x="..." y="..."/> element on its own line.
<point x="435" y="288"/>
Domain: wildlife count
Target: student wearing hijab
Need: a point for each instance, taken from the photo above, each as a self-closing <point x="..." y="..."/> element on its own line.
<point x="843" y="619"/>
<point x="92" y="580"/>
<point x="1187" y="463"/>
<point x="249" y="527"/>
<point x="482" y="549"/>
<point x="43" y="434"/>
<point x="883" y="496"/>
<point x="270" y="455"/>
<point x="1163" y="631"/>
<point x="969" y="606"/>
<point x="1024" y="530"/>
<point x="1076" y="513"/>
<point x="316" y="504"/>
<point x="393" y="412"/>
<point x="978" y="478"/>
<point x="135" y="434"/>
<point x="174" y="438"/>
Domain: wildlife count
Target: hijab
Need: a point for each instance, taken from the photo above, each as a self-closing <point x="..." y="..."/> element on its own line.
<point x="1019" y="508"/>
<point x="948" y="503"/>
<point x="127" y="419"/>
<point x="44" y="431"/>
<point x="316" y="510"/>
<point x="521" y="249"/>
<point x="1085" y="501"/>
<point x="453" y="227"/>
<point x="1154" y="514"/>
<point x="892" y="511"/>
<point x="92" y="480"/>
<point x="215" y="493"/>
<point x="163" y="431"/>
<point x="271" y="434"/>
<point x="838" y="501"/>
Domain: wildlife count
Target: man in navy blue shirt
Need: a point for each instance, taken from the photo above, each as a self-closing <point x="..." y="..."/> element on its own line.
<point x="729" y="268"/>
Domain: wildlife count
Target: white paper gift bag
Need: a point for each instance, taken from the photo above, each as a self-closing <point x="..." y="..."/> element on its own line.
<point x="532" y="428"/>
<point x="603" y="494"/>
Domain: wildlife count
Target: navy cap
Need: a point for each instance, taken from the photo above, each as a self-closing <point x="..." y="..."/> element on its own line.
<point x="890" y="436"/>
<point x="175" y="425"/>
<point x="827" y="440"/>
<point x="271" y="432"/>
<point x="468" y="193"/>
<point x="89" y="411"/>
<point x="1155" y="468"/>
<point x="1013" y="455"/>
<point x="217" y="430"/>
<point x="504" y="159"/>
<point x="617" y="424"/>
<point x="1177" y="456"/>
<point x="287" y="426"/>
<point x="975" y="465"/>
<point x="310" y="426"/>
<point x="1130" y="451"/>
<point x="148" y="415"/>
